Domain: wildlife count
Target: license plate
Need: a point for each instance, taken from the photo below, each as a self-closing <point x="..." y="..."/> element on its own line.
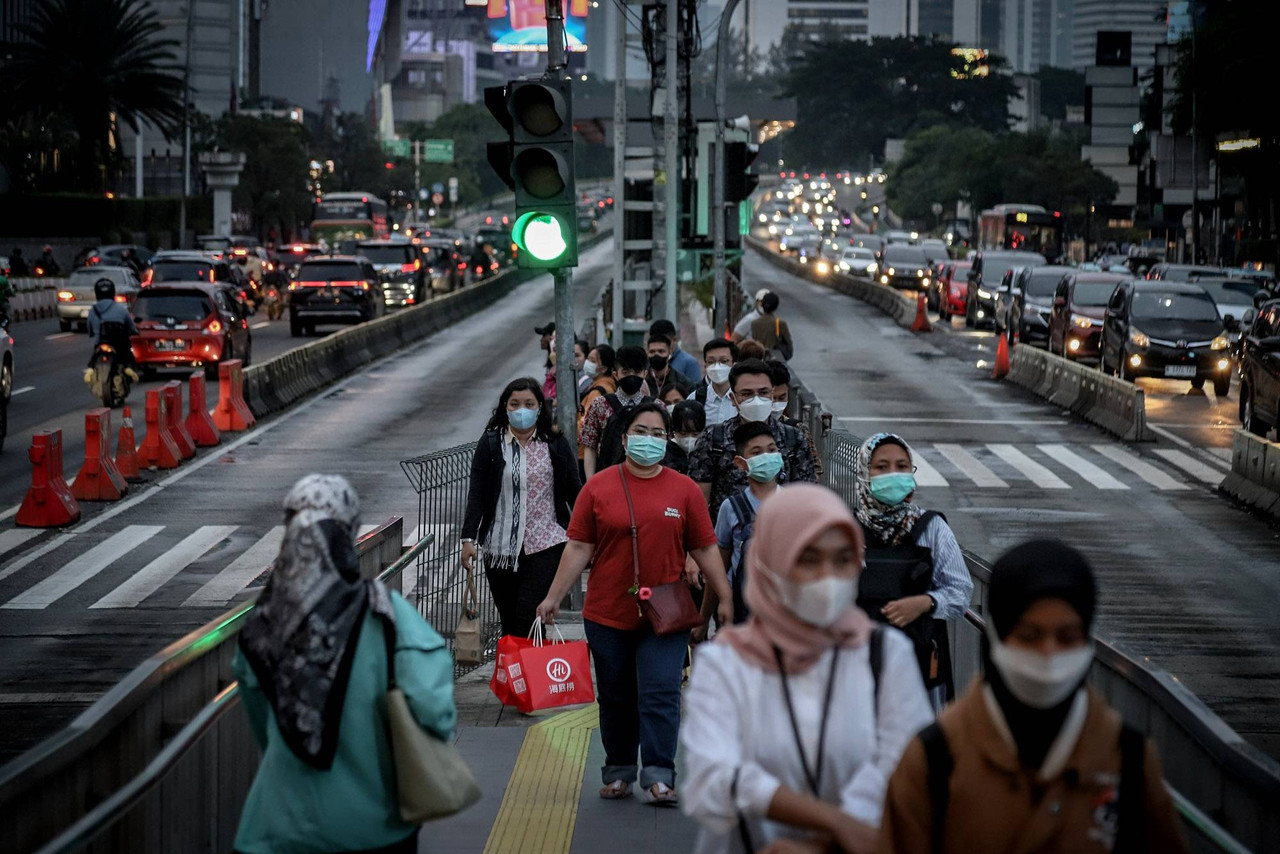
<point x="178" y="344"/>
<point x="1183" y="371"/>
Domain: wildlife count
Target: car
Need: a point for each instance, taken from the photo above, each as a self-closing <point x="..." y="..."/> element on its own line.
<point x="498" y="239"/>
<point x="187" y="266"/>
<point x="76" y="297"/>
<point x="953" y="292"/>
<point x="185" y="325"/>
<point x="858" y="261"/>
<point x="115" y="255"/>
<point x="986" y="274"/>
<point x="252" y="260"/>
<point x="900" y="236"/>
<point x="1075" y="320"/>
<point x="1030" y="303"/>
<point x="936" y="249"/>
<point x="443" y="264"/>
<point x="1259" y="370"/>
<point x="904" y="267"/>
<point x="342" y="289"/>
<point x="1165" y="329"/>
<point x="1263" y="280"/>
<point x="399" y="266"/>
<point x="1182" y="272"/>
<point x="289" y="256"/>
<point x="1234" y="297"/>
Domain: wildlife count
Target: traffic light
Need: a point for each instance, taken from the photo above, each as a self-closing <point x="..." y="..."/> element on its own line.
<point x="738" y="183"/>
<point x="536" y="162"/>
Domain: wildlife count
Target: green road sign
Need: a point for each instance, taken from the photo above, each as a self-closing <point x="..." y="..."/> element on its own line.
<point x="396" y="147"/>
<point x="438" y="151"/>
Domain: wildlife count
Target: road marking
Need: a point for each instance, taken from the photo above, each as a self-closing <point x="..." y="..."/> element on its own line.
<point x="220" y="589"/>
<point x="1223" y="454"/>
<point x="896" y="420"/>
<point x="1192" y="466"/>
<point x="1032" y="470"/>
<point x="971" y="466"/>
<point x="15" y="537"/>
<point x="59" y="335"/>
<point x="1099" y="477"/>
<point x="927" y="475"/>
<point x="81" y="569"/>
<point x="23" y="390"/>
<point x="261" y="325"/>
<point x="154" y="575"/>
<point x="1140" y="467"/>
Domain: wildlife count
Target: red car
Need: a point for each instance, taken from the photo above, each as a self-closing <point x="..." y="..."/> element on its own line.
<point x="190" y="325"/>
<point x="955" y="289"/>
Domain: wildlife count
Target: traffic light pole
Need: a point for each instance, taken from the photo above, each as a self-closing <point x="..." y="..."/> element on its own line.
<point x="721" y="294"/>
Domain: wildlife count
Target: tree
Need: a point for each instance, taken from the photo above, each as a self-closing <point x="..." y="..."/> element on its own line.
<point x="1059" y="88"/>
<point x="273" y="185"/>
<point x="89" y="60"/>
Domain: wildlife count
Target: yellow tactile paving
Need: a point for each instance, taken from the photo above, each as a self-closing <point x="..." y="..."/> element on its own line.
<point x="540" y="806"/>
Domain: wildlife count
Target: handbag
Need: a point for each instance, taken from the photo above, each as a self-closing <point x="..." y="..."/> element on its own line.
<point x="669" y="607"/>
<point x="468" y="643"/>
<point x="432" y="780"/>
<point x="784" y="344"/>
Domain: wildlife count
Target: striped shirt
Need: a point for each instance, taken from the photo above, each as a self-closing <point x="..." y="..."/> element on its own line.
<point x="952" y="586"/>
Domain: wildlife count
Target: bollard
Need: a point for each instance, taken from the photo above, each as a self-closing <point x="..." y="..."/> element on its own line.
<point x="99" y="479"/>
<point x="232" y="413"/>
<point x="158" y="450"/>
<point x="173" y="424"/>
<point x="921" y="323"/>
<point x="127" y="450"/>
<point x="48" y="503"/>
<point x="199" y="425"/>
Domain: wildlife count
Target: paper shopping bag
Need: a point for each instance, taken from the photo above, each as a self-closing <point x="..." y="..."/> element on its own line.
<point x="503" y="680"/>
<point x="468" y="639"/>
<point x="553" y="675"/>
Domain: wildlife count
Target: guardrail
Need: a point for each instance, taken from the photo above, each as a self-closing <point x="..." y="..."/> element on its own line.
<point x="1255" y="472"/>
<point x="94" y="769"/>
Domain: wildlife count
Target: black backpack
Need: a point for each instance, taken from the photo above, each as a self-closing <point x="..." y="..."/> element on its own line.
<point x="747" y="521"/>
<point x="609" y="451"/>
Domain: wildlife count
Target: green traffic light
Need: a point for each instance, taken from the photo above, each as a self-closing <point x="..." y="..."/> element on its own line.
<point x="541" y="235"/>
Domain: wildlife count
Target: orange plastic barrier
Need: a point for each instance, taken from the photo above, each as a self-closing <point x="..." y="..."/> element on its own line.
<point x="173" y="423"/>
<point x="921" y="323"/>
<point x="127" y="449"/>
<point x="199" y="425"/>
<point x="99" y="479"/>
<point x="232" y="413"/>
<point x="48" y="503"/>
<point x="158" y="450"/>
<point x="1001" y="368"/>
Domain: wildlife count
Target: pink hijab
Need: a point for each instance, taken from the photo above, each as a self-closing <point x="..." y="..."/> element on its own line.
<point x="787" y="523"/>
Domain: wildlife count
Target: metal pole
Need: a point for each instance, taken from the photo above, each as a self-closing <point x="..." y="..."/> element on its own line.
<point x="720" y="302"/>
<point x="566" y="335"/>
<point x="671" y="141"/>
<point x="417" y="180"/>
<point x="186" y="128"/>
<point x="1195" y="151"/>
<point x="556" y="59"/>
<point x="619" y="173"/>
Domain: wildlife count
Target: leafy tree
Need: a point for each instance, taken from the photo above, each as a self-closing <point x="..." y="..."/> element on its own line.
<point x="1059" y="88"/>
<point x="89" y="59"/>
<point x="273" y="186"/>
<point x="747" y="74"/>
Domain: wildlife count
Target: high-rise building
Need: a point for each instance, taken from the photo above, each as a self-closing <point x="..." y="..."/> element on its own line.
<point x="1145" y="20"/>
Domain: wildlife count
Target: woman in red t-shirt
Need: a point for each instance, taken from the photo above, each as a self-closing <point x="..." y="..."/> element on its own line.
<point x="637" y="672"/>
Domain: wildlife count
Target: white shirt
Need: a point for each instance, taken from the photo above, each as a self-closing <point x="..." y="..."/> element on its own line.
<point x="718" y="408"/>
<point x="744" y="325"/>
<point x="735" y="720"/>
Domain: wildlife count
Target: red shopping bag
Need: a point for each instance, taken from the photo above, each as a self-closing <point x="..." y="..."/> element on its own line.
<point x="509" y="647"/>
<point x="551" y="675"/>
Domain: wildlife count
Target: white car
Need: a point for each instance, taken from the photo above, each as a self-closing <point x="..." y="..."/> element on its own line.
<point x="858" y="261"/>
<point x="76" y="298"/>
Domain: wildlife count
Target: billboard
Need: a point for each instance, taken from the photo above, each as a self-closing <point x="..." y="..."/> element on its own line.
<point x="519" y="26"/>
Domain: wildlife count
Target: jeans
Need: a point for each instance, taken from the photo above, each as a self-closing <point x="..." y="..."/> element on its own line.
<point x="638" y="689"/>
<point x="518" y="593"/>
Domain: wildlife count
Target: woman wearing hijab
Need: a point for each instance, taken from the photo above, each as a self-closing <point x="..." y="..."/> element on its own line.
<point x="915" y="577"/>
<point x="524" y="481"/>
<point x="1030" y="759"/>
<point x="312" y="667"/>
<point x="795" y="719"/>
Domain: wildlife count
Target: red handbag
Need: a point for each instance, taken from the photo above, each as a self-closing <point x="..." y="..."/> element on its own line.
<point x="669" y="608"/>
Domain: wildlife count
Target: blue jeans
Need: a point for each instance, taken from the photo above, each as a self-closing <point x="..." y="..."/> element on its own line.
<point x="638" y="689"/>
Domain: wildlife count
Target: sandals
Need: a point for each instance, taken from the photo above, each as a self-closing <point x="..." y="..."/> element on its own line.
<point x="616" y="790"/>
<point x="662" y="795"/>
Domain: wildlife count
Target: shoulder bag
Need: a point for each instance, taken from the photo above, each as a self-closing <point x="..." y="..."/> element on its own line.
<point x="783" y="343"/>
<point x="670" y="608"/>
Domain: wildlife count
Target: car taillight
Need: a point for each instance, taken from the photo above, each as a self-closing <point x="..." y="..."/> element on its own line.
<point x="147" y="276"/>
<point x="94" y="259"/>
<point x="309" y="285"/>
<point x="121" y="298"/>
<point x="409" y="301"/>
<point x="409" y="268"/>
<point x="66" y="296"/>
<point x="462" y="266"/>
<point x="214" y="327"/>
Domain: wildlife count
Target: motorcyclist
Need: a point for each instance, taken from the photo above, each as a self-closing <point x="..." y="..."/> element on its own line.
<point x="481" y="260"/>
<point x="17" y="264"/>
<point x="6" y="291"/>
<point x="111" y="323"/>
<point x="47" y="264"/>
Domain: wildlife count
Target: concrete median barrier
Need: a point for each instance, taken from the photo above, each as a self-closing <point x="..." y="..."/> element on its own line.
<point x="35" y="298"/>
<point x="1117" y="406"/>
<point x="1255" y="472"/>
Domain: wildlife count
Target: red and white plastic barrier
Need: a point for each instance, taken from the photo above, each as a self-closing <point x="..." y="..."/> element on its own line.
<point x="48" y="503"/>
<point x="173" y="420"/>
<point x="232" y="413"/>
<point x="199" y="425"/>
<point x="99" y="479"/>
<point x="158" y="449"/>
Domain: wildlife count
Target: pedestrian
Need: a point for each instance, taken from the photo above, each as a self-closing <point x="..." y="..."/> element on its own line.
<point x="661" y="373"/>
<point x="712" y="462"/>
<point x="549" y="379"/>
<point x="670" y="395"/>
<point x="312" y="665"/>
<point x="916" y="578"/>
<point x="742" y="329"/>
<point x="637" y="508"/>
<point x="17" y="264"/>
<point x="580" y="351"/>
<point x="681" y="361"/>
<point x="771" y="331"/>
<point x="720" y="356"/>
<point x="750" y="348"/>
<point x="601" y="434"/>
<point x="795" y="719"/>
<point x="1031" y="759"/>
<point x="688" y="420"/>
<point x="524" y="481"/>
<point x="599" y="366"/>
<point x="780" y="375"/>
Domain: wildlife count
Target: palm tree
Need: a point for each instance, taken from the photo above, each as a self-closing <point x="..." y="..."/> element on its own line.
<point x="92" y="60"/>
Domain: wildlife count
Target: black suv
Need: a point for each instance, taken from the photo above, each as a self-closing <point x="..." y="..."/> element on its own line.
<point x="905" y="267"/>
<point x="1260" y="370"/>
<point x="1030" y="302"/>
<point x="985" y="278"/>
<point x="1165" y="329"/>
<point x="334" y="289"/>
<point x="399" y="267"/>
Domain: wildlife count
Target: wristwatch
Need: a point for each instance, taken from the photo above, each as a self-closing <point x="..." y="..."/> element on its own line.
<point x="466" y="540"/>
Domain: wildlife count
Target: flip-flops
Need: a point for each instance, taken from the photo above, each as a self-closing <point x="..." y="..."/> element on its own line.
<point x="661" y="795"/>
<point x="616" y="790"/>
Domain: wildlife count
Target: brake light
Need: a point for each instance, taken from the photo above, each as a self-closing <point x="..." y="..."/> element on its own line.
<point x="214" y="327"/>
<point x="241" y="252"/>
<point x="93" y="259"/>
<point x="410" y="268"/>
<point x="462" y="266"/>
<point x="409" y="301"/>
<point x="121" y="298"/>
<point x="308" y="285"/>
<point x="66" y="296"/>
<point x="297" y="249"/>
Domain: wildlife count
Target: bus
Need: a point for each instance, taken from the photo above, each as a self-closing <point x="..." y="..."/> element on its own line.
<point x="1029" y="228"/>
<point x="337" y="218"/>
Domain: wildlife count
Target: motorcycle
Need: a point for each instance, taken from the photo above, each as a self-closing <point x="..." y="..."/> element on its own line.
<point x="107" y="379"/>
<point x="273" y="303"/>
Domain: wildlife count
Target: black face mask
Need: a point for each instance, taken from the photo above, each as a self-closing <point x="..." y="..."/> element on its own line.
<point x="658" y="363"/>
<point x="630" y="385"/>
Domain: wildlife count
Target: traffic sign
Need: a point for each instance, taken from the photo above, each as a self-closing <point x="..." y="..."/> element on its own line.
<point x="438" y="151"/>
<point x="396" y="147"/>
<point x="437" y="198"/>
<point x="437" y="187"/>
<point x="453" y="191"/>
<point x="423" y="194"/>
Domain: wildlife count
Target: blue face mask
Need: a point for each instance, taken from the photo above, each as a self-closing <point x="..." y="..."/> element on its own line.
<point x="893" y="489"/>
<point x="522" y="418"/>
<point x="763" y="468"/>
<point x="646" y="450"/>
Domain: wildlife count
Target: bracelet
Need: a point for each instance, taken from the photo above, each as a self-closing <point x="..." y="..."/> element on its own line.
<point x="466" y="540"/>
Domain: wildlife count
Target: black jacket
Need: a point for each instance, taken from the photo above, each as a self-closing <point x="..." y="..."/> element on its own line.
<point x="486" y="479"/>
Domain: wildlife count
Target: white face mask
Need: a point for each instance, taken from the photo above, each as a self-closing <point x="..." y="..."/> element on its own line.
<point x="590" y="368"/>
<point x="779" y="406"/>
<point x="755" y="408"/>
<point x="671" y="408"/>
<point x="718" y="373"/>
<point x="820" y="602"/>
<point x="687" y="443"/>
<point x="1040" y="681"/>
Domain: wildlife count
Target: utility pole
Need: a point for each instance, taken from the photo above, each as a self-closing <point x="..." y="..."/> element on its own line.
<point x="671" y="143"/>
<point x="721" y="294"/>
<point x="417" y="180"/>
<point x="186" y="128"/>
<point x="1195" y="150"/>
<point x="566" y="383"/>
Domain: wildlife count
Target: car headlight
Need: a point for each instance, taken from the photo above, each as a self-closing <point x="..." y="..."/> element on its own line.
<point x="1219" y="343"/>
<point x="764" y="218"/>
<point x="919" y="274"/>
<point x="891" y="272"/>
<point x="983" y="294"/>
<point x="925" y="280"/>
<point x="884" y="280"/>
<point x="1139" y="339"/>
<point x="1084" y="322"/>
<point x="871" y="269"/>
<point x="773" y="229"/>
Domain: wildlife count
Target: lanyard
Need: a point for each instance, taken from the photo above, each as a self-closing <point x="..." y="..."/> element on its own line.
<point x="814" y="775"/>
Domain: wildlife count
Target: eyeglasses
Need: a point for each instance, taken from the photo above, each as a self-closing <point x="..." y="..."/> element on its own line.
<point x="655" y="432"/>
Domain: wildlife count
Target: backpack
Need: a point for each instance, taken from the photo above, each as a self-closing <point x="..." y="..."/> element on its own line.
<point x="747" y="522"/>
<point x="1131" y="834"/>
<point x="609" y="451"/>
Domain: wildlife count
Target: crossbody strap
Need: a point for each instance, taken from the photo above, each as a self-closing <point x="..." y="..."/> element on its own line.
<point x="631" y="514"/>
<point x="389" y="637"/>
<point x="812" y="775"/>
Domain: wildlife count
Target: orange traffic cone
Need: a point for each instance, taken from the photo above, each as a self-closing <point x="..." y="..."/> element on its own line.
<point x="922" y="318"/>
<point x="127" y="449"/>
<point x="1001" y="368"/>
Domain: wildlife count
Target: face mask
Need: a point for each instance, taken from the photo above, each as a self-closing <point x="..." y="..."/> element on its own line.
<point x="687" y="443"/>
<point x="590" y="368"/>
<point x="718" y="373"/>
<point x="671" y="408"/>
<point x="658" y="363"/>
<point x="646" y="450"/>
<point x="630" y="386"/>
<point x="522" y="418"/>
<point x="755" y="408"/>
<point x="820" y="602"/>
<point x="779" y="406"/>
<point x="763" y="468"/>
<point x="893" y="489"/>
<point x="1040" y="681"/>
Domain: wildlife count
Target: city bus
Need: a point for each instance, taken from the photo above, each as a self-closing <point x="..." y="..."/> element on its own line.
<point x="337" y="218"/>
<point x="1029" y="228"/>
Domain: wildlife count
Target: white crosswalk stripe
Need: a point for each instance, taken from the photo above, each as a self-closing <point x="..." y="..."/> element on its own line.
<point x="80" y="569"/>
<point x="1143" y="469"/>
<point x="1095" y="475"/>
<point x="1200" y="471"/>
<point x="926" y="474"/>
<point x="160" y="571"/>
<point x="971" y="466"/>
<point x="15" y="537"/>
<point x="1029" y="468"/>
<point x="220" y="589"/>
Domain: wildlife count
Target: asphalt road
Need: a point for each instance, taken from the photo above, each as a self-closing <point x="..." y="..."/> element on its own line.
<point x="79" y="608"/>
<point x="1186" y="577"/>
